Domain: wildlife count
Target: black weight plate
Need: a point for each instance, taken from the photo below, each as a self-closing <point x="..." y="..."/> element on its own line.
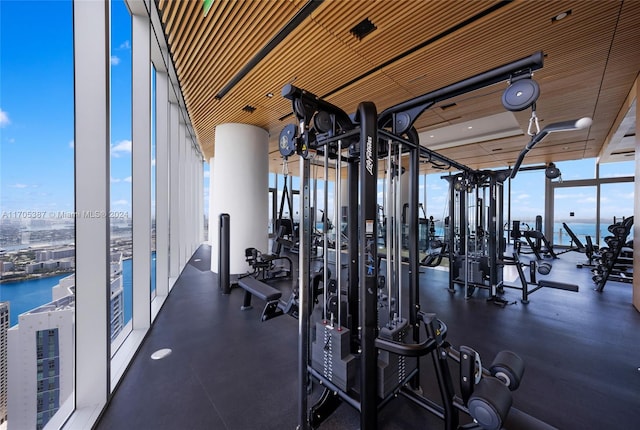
<point x="520" y="95"/>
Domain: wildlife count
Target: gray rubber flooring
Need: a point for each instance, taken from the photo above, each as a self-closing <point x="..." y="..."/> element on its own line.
<point x="228" y="370"/>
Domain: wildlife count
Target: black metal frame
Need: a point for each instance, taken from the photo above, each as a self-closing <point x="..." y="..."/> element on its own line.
<point x="362" y="136"/>
<point x="487" y="262"/>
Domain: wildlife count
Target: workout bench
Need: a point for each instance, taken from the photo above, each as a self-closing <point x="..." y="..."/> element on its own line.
<point x="542" y="268"/>
<point x="263" y="291"/>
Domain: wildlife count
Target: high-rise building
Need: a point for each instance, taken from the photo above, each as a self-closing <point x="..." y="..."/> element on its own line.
<point x="4" y="327"/>
<point x="40" y="365"/>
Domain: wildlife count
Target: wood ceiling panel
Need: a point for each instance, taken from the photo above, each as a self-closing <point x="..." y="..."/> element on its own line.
<point x="593" y="57"/>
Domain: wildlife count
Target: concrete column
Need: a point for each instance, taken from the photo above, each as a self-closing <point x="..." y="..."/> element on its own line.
<point x="239" y="187"/>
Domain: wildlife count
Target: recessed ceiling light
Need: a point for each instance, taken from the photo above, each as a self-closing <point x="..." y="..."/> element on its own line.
<point x="470" y="127"/>
<point x="160" y="354"/>
<point x="431" y="136"/>
<point x="561" y="15"/>
<point x="269" y="94"/>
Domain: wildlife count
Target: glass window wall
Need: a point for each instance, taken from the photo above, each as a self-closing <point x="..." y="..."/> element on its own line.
<point x="37" y="221"/>
<point x="121" y="227"/>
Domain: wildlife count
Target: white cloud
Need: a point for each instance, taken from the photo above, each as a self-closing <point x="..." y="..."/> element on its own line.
<point x="127" y="179"/>
<point x="4" y="119"/>
<point x="114" y="180"/>
<point x="124" y="146"/>
<point x="120" y="203"/>
<point x="72" y="144"/>
<point x="19" y="186"/>
<point x="207" y="174"/>
<point x="153" y="162"/>
<point x="125" y="45"/>
<point x="115" y="60"/>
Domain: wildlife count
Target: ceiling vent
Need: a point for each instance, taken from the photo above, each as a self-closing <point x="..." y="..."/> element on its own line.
<point x="363" y="28"/>
<point x="249" y="108"/>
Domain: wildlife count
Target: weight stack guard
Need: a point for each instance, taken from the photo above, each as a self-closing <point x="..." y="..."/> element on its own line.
<point x="394" y="369"/>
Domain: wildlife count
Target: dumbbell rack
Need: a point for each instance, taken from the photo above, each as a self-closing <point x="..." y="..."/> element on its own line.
<point x="610" y="257"/>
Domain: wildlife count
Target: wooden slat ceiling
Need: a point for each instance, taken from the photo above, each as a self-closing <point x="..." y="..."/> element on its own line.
<point x="592" y="61"/>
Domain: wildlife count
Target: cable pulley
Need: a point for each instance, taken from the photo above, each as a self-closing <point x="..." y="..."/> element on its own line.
<point x="520" y="94"/>
<point x="287" y="141"/>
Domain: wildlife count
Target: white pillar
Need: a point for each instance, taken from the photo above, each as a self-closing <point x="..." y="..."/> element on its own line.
<point x="239" y="187"/>
<point x="141" y="149"/>
<point x="91" y="66"/>
<point x="162" y="184"/>
<point x="212" y="221"/>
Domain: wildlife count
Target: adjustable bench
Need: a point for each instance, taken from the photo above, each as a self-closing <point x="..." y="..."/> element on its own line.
<point x="254" y="287"/>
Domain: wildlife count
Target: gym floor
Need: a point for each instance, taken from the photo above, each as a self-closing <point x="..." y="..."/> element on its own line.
<point x="228" y="370"/>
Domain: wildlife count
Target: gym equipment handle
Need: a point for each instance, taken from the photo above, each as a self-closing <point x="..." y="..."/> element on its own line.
<point x="576" y="124"/>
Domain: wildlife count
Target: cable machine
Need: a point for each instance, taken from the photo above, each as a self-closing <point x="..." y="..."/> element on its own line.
<point x="363" y="346"/>
<point x="476" y="242"/>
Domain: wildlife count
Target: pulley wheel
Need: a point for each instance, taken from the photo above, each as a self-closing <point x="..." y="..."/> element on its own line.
<point x="322" y="121"/>
<point x="520" y="95"/>
<point x="552" y="171"/>
<point x="402" y="122"/>
<point x="287" y="141"/>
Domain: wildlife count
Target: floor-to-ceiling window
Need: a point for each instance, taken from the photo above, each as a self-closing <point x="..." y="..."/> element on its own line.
<point x="589" y="200"/>
<point x="617" y="194"/>
<point x="68" y="136"/>
<point x="121" y="288"/>
<point x="37" y="220"/>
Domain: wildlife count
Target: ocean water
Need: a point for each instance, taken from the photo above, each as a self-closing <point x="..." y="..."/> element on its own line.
<point x="560" y="235"/>
<point x="26" y="295"/>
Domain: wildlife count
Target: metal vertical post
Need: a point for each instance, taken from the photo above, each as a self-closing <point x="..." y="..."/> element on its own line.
<point x="367" y="116"/>
<point x="224" y="282"/>
<point x="353" y="250"/>
<point x="414" y="229"/>
<point x="303" y="292"/>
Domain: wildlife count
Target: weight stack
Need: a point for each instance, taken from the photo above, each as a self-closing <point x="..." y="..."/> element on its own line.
<point x="393" y="369"/>
<point x="330" y="355"/>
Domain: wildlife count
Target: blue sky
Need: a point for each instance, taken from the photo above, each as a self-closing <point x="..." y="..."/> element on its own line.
<point x="36" y="103"/>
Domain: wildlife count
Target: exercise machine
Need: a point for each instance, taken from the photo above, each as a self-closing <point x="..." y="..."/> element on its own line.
<point x="365" y="350"/>
<point x="476" y="244"/>
<point x="532" y="285"/>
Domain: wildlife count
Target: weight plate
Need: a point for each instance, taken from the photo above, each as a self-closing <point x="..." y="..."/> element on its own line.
<point x="520" y="95"/>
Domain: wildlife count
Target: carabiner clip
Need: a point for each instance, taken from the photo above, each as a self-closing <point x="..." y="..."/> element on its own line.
<point x="533" y="120"/>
